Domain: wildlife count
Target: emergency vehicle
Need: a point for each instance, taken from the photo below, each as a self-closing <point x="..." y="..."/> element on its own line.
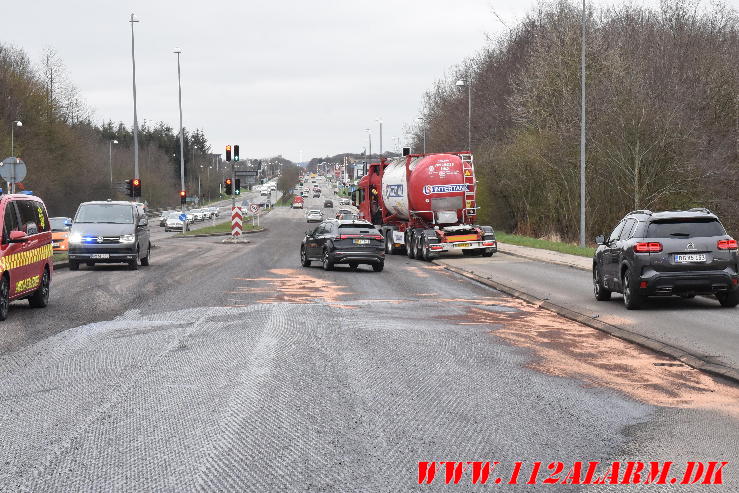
<point x="26" y="262"/>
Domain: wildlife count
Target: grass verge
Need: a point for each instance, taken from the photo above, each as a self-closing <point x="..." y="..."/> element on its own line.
<point x="285" y="201"/>
<point x="545" y="244"/>
<point x="218" y="228"/>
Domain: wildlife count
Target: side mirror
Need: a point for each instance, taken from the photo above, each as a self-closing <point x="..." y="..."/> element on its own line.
<point x="600" y="240"/>
<point x="68" y="223"/>
<point x="143" y="221"/>
<point x="18" y="236"/>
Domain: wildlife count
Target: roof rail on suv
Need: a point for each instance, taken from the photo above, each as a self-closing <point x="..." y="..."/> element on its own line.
<point x="642" y="211"/>
<point x="700" y="209"/>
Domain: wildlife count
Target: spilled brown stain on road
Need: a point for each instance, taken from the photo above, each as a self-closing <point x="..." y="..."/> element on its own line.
<point x="294" y="286"/>
<point x="569" y="349"/>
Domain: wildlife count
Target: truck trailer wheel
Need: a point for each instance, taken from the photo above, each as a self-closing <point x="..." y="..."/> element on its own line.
<point x="389" y="245"/>
<point x="409" y="245"/>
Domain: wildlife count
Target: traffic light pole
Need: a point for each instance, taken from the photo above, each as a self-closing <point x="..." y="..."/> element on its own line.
<point x="233" y="184"/>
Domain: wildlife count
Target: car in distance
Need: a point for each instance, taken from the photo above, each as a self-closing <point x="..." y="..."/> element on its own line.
<point x="60" y="227"/>
<point x="109" y="232"/>
<point x="174" y="223"/>
<point x="344" y="201"/>
<point x="343" y="242"/>
<point x="314" y="216"/>
<point x="298" y="203"/>
<point x="328" y="204"/>
<point x="672" y="253"/>
<point x="26" y="264"/>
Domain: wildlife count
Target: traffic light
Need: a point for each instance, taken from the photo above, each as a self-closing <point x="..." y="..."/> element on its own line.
<point x="228" y="154"/>
<point x="183" y="197"/>
<point x="237" y="185"/>
<point x="129" y="188"/>
<point x="136" y="187"/>
<point x="228" y="186"/>
<point x="236" y="152"/>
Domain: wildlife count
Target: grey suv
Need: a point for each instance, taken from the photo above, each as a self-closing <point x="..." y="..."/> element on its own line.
<point x="684" y="253"/>
<point x="109" y="232"/>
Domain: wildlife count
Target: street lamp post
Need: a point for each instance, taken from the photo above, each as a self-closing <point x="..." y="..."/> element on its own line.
<point x="582" y="131"/>
<point x="110" y="161"/>
<point x="420" y="121"/>
<point x="369" y="156"/>
<point x="15" y="123"/>
<point x="182" y="135"/>
<point x="135" y="118"/>
<point x="467" y="83"/>
<point x="379" y="120"/>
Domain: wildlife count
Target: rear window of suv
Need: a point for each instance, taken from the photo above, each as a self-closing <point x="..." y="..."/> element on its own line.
<point x="356" y="229"/>
<point x="685" y="228"/>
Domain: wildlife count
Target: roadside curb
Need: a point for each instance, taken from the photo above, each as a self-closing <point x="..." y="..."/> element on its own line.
<point x="540" y="259"/>
<point x="692" y="360"/>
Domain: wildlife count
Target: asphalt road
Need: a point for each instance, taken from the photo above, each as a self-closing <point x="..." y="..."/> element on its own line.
<point x="231" y="368"/>
<point x="699" y="326"/>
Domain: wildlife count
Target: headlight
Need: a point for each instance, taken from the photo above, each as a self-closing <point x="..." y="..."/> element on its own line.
<point x="75" y="238"/>
<point x="128" y="238"/>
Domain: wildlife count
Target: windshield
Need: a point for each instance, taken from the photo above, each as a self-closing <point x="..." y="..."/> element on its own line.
<point x="685" y="228"/>
<point x="57" y="223"/>
<point x="104" y="213"/>
<point x="174" y="215"/>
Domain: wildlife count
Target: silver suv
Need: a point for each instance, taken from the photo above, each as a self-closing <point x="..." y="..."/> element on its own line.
<point x="683" y="253"/>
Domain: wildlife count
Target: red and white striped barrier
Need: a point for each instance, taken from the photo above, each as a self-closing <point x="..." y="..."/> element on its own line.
<point x="236" y="221"/>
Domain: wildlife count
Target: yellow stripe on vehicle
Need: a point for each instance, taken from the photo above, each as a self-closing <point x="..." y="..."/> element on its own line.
<point x="21" y="259"/>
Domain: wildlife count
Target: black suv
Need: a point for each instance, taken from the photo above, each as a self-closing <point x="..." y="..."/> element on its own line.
<point x="344" y="242"/>
<point x="111" y="231"/>
<point x="683" y="253"/>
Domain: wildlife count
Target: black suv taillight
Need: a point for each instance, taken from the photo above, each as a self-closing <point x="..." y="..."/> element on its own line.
<point x="651" y="247"/>
<point x="727" y="244"/>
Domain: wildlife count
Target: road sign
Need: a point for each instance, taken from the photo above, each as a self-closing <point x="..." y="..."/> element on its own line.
<point x="183" y="217"/>
<point x="13" y="170"/>
<point x="253" y="208"/>
<point x="236" y="219"/>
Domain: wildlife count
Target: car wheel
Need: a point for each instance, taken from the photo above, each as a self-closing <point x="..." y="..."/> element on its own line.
<point x="145" y="260"/>
<point x="4" y="297"/>
<point x="600" y="292"/>
<point x="304" y="261"/>
<point x="327" y="264"/>
<point x="378" y="266"/>
<point x="40" y="297"/>
<point x="632" y="299"/>
<point x="728" y="300"/>
<point x="488" y="252"/>
<point x="74" y="265"/>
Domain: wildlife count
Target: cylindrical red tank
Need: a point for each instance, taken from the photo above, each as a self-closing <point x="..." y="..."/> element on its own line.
<point x="435" y="183"/>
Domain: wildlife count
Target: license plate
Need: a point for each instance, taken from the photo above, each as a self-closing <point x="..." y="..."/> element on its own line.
<point x="691" y="257"/>
<point x="99" y="255"/>
<point x="464" y="245"/>
<point x="361" y="242"/>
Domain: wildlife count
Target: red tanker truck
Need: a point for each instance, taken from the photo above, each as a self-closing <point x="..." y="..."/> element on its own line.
<point x="425" y="204"/>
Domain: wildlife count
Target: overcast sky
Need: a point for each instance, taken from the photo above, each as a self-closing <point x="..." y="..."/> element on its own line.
<point x="276" y="77"/>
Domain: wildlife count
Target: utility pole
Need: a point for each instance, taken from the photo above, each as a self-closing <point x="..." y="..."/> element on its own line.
<point x="582" y="132"/>
<point x="135" y="118"/>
